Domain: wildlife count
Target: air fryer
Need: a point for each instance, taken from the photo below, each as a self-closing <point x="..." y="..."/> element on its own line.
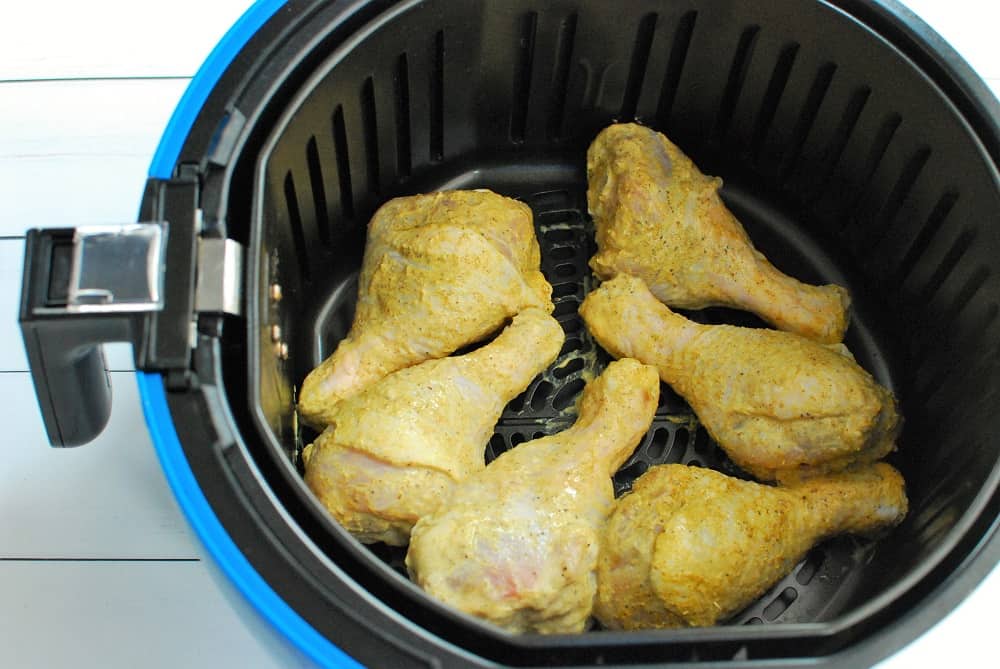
<point x="855" y="145"/>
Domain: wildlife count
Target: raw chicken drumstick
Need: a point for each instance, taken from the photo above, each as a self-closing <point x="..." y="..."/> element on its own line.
<point x="439" y="271"/>
<point x="659" y="218"/>
<point x="394" y="450"/>
<point x="778" y="404"/>
<point x="517" y="543"/>
<point x="691" y="547"/>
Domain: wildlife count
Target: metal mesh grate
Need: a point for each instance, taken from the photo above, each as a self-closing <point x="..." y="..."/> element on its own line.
<point x="565" y="234"/>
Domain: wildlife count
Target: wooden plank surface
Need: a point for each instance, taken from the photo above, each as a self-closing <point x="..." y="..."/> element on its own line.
<point x="86" y="89"/>
<point x="111" y="38"/>
<point x="148" y="615"/>
<point x="78" y="152"/>
<point x="107" y="499"/>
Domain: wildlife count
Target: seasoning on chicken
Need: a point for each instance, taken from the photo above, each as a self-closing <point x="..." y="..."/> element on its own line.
<point x="440" y="271"/>
<point x="394" y="450"/>
<point x="517" y="543"/>
<point x="659" y="218"/>
<point x="778" y="404"/>
<point x="690" y="547"/>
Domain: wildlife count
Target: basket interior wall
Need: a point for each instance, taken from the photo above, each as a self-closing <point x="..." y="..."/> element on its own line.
<point x="845" y="162"/>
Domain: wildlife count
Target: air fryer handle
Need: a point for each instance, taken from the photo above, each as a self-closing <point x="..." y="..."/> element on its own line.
<point x="83" y="287"/>
<point x="71" y="381"/>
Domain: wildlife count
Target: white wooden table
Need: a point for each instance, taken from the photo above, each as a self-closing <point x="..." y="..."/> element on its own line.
<point x="97" y="565"/>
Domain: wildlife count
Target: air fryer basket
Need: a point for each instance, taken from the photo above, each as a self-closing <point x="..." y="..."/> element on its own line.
<point x="849" y="150"/>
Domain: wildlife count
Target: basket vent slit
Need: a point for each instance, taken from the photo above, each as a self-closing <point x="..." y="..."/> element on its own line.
<point x="560" y="77"/>
<point x="401" y="94"/>
<point x="658" y="445"/>
<point x="567" y="394"/>
<point x="897" y="196"/>
<point x="523" y="65"/>
<point x="969" y="289"/>
<point x="343" y="163"/>
<point x="931" y="338"/>
<point x="781" y="603"/>
<point x="437" y="98"/>
<point x="369" y="123"/>
<point x="810" y="566"/>
<point x="775" y="89"/>
<point x="928" y="231"/>
<point x="841" y="136"/>
<point x="929" y="381"/>
<point x="948" y="264"/>
<point x="734" y="82"/>
<point x="876" y="153"/>
<point x="295" y="222"/>
<point x="637" y="68"/>
<point x="675" y="66"/>
<point x="318" y="192"/>
<point x="807" y="117"/>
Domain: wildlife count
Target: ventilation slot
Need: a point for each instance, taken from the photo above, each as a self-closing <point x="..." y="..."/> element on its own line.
<point x="524" y="61"/>
<point x="541" y="395"/>
<point x="810" y="566"/>
<point x="637" y="69"/>
<point x="565" y="308"/>
<point x="624" y="477"/>
<point x="369" y="122"/>
<point x="948" y="264"/>
<point x="926" y="235"/>
<point x="437" y="98"/>
<point x="496" y="446"/>
<point x="318" y="192"/>
<point x="908" y="177"/>
<point x="807" y="117"/>
<point x="675" y="65"/>
<point x="401" y="94"/>
<point x="560" y="77"/>
<point x="658" y="444"/>
<point x="737" y="75"/>
<point x="572" y="344"/>
<point x="943" y="328"/>
<point x="957" y="304"/>
<point x="841" y="135"/>
<point x="780" y="604"/>
<point x="343" y="163"/>
<point x="567" y="394"/>
<point x="929" y="387"/>
<point x="879" y="147"/>
<point x="564" y="290"/>
<point x="775" y="89"/>
<point x="571" y="366"/>
<point x="295" y="221"/>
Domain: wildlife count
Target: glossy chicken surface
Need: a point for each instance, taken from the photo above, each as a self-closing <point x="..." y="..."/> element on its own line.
<point x="780" y="405"/>
<point x="395" y="449"/>
<point x="439" y="271"/>
<point x="690" y="547"/>
<point x="659" y="218"/>
<point x="517" y="543"/>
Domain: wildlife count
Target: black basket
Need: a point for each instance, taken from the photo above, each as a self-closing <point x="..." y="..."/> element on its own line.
<point x="855" y="147"/>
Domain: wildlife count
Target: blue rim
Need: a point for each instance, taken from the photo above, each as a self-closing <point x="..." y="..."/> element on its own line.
<point x="153" y="396"/>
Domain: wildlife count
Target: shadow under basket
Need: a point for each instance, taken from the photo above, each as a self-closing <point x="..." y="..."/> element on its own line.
<point x="855" y="147"/>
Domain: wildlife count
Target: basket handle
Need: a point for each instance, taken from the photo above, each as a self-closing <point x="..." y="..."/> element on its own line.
<point x="83" y="287"/>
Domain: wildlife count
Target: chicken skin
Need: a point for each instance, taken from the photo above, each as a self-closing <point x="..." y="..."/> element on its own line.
<point x="517" y="543"/>
<point x="690" y="547"/>
<point x="659" y="218"/>
<point x="395" y="449"/>
<point x="780" y="405"/>
<point x="440" y="271"/>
